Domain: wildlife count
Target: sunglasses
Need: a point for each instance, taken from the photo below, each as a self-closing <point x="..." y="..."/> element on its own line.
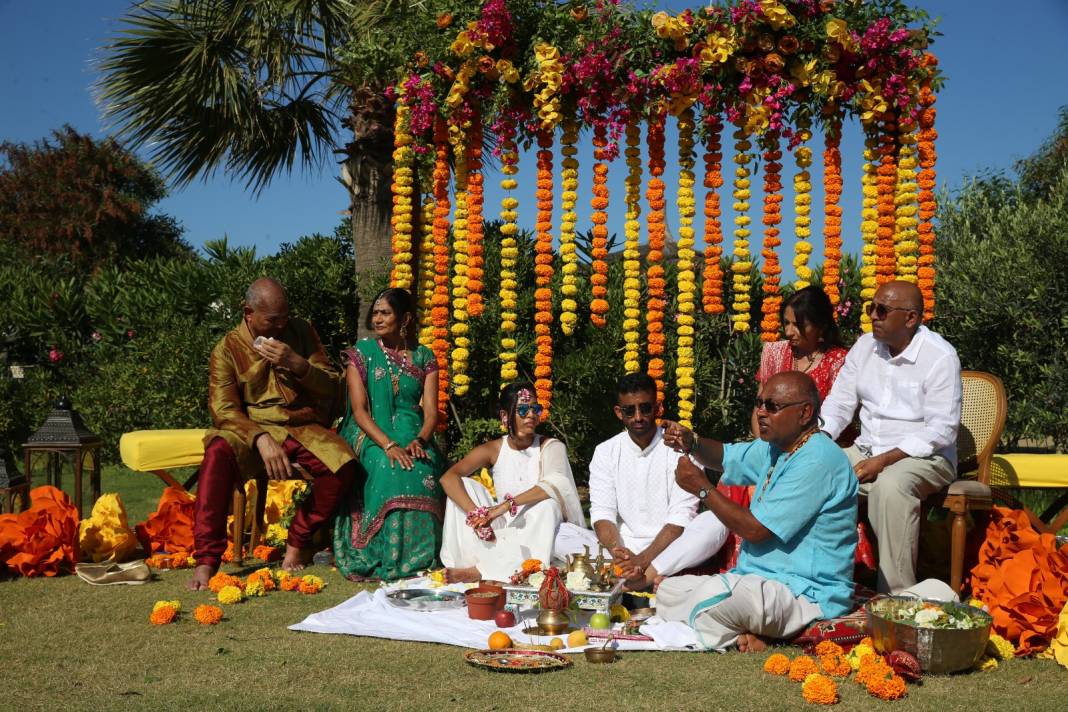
<point x="773" y="407"/>
<point x="628" y="411"/>
<point x="523" y="410"/>
<point x="881" y="311"/>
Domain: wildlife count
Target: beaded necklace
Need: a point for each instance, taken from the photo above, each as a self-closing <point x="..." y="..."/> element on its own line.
<point x="796" y="446"/>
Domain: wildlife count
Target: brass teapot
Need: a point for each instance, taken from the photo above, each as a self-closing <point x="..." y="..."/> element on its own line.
<point x="581" y="563"/>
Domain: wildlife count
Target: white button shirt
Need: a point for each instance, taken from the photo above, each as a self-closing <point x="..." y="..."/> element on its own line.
<point x="910" y="401"/>
<point x="636" y="489"/>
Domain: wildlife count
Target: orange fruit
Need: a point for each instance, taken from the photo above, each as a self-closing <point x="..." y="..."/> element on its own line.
<point x="499" y="640"/>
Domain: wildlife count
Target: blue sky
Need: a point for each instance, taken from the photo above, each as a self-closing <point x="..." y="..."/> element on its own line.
<point x="1003" y="61"/>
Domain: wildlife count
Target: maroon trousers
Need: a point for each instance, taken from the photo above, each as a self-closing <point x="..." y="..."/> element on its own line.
<point x="219" y="476"/>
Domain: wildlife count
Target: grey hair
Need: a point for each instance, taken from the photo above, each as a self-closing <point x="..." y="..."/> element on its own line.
<point x="257" y="291"/>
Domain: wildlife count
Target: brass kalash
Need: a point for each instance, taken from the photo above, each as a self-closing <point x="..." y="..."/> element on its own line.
<point x="598" y="572"/>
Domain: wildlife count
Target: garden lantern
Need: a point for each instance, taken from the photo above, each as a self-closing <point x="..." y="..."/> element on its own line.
<point x="12" y="485"/>
<point x="64" y="437"/>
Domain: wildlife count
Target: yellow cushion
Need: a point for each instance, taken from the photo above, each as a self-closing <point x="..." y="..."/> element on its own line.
<point x="1029" y="470"/>
<point x="147" y="450"/>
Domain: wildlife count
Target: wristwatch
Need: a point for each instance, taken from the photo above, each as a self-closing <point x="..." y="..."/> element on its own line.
<point x="702" y="493"/>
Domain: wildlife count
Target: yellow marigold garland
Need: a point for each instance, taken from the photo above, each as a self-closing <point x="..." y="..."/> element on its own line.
<point x="769" y="325"/>
<point x="631" y="254"/>
<point x="687" y="296"/>
<point x="403" y="189"/>
<point x="655" y="282"/>
<point x="712" y="277"/>
<point x="599" y="218"/>
<point x="426" y="274"/>
<point x="832" y="212"/>
<point x="869" y="225"/>
<point x="906" y="206"/>
<point x="568" y="218"/>
<point x="440" y="301"/>
<point x="742" y="260"/>
<point x="459" y="328"/>
<point x="885" y="182"/>
<point x="543" y="274"/>
<point x="475" y="199"/>
<point x="803" y="205"/>
<point x="925" y="272"/>
<point x="509" y="254"/>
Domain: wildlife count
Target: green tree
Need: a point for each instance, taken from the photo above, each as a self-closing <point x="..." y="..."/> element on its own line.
<point x="82" y="198"/>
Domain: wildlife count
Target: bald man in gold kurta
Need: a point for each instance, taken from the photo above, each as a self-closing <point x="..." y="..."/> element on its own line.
<point x="272" y="402"/>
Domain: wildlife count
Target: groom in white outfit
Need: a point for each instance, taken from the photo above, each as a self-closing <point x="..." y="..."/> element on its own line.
<point x="639" y="513"/>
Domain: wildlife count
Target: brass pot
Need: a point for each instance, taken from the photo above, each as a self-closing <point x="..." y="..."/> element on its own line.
<point x="553" y="622"/>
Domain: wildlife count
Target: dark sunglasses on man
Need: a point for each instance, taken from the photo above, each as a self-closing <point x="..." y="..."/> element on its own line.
<point x="881" y="311"/>
<point x="773" y="407"/>
<point x="628" y="411"/>
<point x="524" y="409"/>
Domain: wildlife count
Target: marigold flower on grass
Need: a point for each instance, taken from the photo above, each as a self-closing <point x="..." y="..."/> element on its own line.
<point x="777" y="664"/>
<point x="819" y="689"/>
<point x="872" y="667"/>
<point x="835" y="664"/>
<point x="801" y="667"/>
<point x="176" y="605"/>
<point x="887" y="687"/>
<point x="254" y="587"/>
<point x="230" y="594"/>
<point x="267" y="553"/>
<point x="289" y="582"/>
<point x="206" y="614"/>
<point x="1000" y="648"/>
<point x="829" y="647"/>
<point x="220" y="580"/>
<point x="311" y="584"/>
<point x="163" y="615"/>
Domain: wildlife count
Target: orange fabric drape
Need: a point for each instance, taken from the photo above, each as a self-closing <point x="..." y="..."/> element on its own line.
<point x="1022" y="577"/>
<point x="43" y="540"/>
<point x="170" y="527"/>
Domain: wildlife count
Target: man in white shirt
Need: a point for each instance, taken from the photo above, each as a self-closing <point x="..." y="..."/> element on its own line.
<point x="638" y="511"/>
<point x="906" y="380"/>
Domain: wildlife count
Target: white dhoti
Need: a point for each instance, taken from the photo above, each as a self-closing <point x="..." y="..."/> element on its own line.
<point x="527" y="535"/>
<point x="698" y="543"/>
<point x="722" y="607"/>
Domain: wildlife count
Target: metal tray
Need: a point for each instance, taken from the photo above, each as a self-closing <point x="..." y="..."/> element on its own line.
<point x="426" y="599"/>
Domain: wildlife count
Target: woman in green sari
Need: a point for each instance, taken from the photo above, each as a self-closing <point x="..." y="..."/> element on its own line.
<point x="392" y="525"/>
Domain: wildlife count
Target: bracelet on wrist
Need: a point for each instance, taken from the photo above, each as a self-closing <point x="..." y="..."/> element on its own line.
<point x="513" y="508"/>
<point x="388" y="445"/>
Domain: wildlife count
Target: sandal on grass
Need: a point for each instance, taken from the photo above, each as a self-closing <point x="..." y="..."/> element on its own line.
<point x="112" y="573"/>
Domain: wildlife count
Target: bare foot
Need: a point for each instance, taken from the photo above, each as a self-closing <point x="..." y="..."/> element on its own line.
<point x="294" y="560"/>
<point x="749" y="643"/>
<point x="468" y="575"/>
<point x="201" y="575"/>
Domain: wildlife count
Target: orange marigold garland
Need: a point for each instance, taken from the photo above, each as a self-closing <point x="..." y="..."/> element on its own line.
<point x="769" y="325"/>
<point x="543" y="274"/>
<point x="509" y="252"/>
<point x="832" y="212"/>
<point x="869" y="225"/>
<point x="742" y="262"/>
<point x="655" y="282"/>
<point x="568" y="218"/>
<point x="885" y="183"/>
<point x="631" y="255"/>
<point x="905" y="205"/>
<point x="206" y="614"/>
<point x="686" y="276"/>
<point x="925" y="272"/>
<point x="459" y="328"/>
<point x="599" y="218"/>
<point x="802" y="205"/>
<point x="426" y="274"/>
<point x="712" y="277"/>
<point x="440" y="301"/>
<point x="819" y="690"/>
<point x="403" y="191"/>
<point x="475" y="200"/>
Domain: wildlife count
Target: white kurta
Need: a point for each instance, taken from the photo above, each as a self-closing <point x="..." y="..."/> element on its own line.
<point x="527" y="535"/>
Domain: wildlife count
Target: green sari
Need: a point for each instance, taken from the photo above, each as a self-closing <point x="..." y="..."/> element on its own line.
<point x="391" y="526"/>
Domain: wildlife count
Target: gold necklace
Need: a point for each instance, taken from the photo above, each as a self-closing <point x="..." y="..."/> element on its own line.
<point x="793" y="448"/>
<point x="813" y="359"/>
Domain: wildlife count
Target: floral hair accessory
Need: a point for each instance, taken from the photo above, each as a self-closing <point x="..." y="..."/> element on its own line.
<point x="524" y="396"/>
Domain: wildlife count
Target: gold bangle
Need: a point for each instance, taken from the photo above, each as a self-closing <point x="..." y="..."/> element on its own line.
<point x="388" y="445"/>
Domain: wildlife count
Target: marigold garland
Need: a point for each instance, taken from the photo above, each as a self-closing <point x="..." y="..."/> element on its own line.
<point x="777" y="664"/>
<point x="712" y="276"/>
<point x="886" y="182"/>
<point x="475" y="200"/>
<point x="742" y="262"/>
<point x="925" y="272"/>
<point x="631" y="254"/>
<point x="654" y="279"/>
<point x="687" y="284"/>
<point x="402" y="189"/>
<point x="460" y="251"/>
<point x="906" y="205"/>
<point x="509" y="253"/>
<point x="769" y="325"/>
<point x="801" y="667"/>
<point x="819" y="690"/>
<point x="869" y="225"/>
<point x="206" y="614"/>
<point x="832" y="212"/>
<point x="599" y="218"/>
<point x="543" y="274"/>
<point x="802" y="205"/>
<point x="426" y="274"/>
<point x="568" y="218"/>
<point x="440" y="301"/>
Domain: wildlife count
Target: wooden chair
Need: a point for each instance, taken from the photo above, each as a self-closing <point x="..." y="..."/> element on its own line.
<point x="982" y="418"/>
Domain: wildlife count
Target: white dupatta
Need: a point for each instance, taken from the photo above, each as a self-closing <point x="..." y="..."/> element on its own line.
<point x="555" y="478"/>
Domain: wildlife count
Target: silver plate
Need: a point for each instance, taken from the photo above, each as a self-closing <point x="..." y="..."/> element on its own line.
<point x="426" y="599"/>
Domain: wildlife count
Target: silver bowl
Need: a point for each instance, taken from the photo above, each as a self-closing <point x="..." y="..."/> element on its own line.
<point x="938" y="650"/>
<point x="425" y="599"/>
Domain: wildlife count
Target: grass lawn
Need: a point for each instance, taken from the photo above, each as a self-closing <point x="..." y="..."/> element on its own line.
<point x="65" y="642"/>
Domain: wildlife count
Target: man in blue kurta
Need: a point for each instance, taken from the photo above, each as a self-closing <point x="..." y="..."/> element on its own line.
<point x="799" y="534"/>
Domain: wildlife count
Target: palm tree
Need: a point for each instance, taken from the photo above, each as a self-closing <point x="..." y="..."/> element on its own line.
<point x="255" y="87"/>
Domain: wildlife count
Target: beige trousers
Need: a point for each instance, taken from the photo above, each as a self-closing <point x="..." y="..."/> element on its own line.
<point x="894" y="510"/>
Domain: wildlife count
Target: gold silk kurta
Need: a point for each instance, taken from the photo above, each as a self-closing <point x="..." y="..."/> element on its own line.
<point x="248" y="395"/>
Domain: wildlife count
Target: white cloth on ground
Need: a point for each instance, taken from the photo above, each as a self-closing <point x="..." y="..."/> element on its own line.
<point x="723" y="606"/>
<point x="699" y="542"/>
